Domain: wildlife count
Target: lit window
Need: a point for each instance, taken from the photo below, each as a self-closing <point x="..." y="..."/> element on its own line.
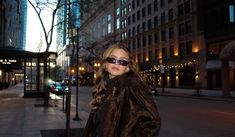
<point x="118" y="11"/>
<point x="118" y="23"/>
<point x="231" y="13"/>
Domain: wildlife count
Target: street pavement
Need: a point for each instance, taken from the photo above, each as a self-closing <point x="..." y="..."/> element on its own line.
<point x="20" y="117"/>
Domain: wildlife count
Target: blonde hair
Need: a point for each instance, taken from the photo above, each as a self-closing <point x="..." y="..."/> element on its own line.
<point x="100" y="82"/>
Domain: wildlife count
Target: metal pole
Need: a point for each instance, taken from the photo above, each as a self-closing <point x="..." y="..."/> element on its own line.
<point x="77" y="83"/>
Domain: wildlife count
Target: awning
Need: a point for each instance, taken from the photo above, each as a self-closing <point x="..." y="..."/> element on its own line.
<point x="216" y="64"/>
<point x="228" y="52"/>
<point x="213" y="64"/>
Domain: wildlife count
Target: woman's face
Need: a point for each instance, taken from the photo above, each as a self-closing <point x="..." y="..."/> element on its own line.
<point x="117" y="63"/>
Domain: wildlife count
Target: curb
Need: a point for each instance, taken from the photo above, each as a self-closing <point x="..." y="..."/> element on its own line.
<point x="202" y="97"/>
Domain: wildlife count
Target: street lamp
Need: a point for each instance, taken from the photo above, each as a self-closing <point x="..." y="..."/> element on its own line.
<point x="77" y="69"/>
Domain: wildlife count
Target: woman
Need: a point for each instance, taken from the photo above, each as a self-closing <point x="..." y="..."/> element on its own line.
<point x="122" y="104"/>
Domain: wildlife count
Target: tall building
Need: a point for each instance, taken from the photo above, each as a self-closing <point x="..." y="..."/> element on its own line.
<point x="68" y="21"/>
<point x="13" y="16"/>
<point x="177" y="43"/>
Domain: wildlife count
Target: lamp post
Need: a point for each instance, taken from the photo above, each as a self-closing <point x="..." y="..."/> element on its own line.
<point x="77" y="83"/>
<point x="162" y="69"/>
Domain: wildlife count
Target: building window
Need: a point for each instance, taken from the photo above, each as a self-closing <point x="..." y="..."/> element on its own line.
<point x="138" y="43"/>
<point x="162" y="3"/>
<point x="150" y="55"/>
<point x="118" y="11"/>
<point x="163" y="18"/>
<point x="180" y="10"/>
<point x="155" y="37"/>
<point x="137" y="3"/>
<point x="188" y="46"/>
<point x="143" y="26"/>
<point x="182" y="49"/>
<point x="118" y="23"/>
<point x="123" y="24"/>
<point x="144" y="41"/>
<point x="123" y="12"/>
<point x="143" y="12"/>
<point x="133" y="18"/>
<point x="149" y="9"/>
<point x="187" y="7"/>
<point x="163" y="35"/>
<point x="188" y="27"/>
<point x="138" y="15"/>
<point x="109" y="23"/>
<point x="129" y="45"/>
<point x="164" y="54"/>
<point x="104" y="26"/>
<point x="123" y="2"/>
<point x="133" y="4"/>
<point x="129" y="33"/>
<point x="99" y="29"/>
<point x="133" y="44"/>
<point x="129" y="20"/>
<point x="172" y="51"/>
<point x="138" y="28"/>
<point x="133" y="31"/>
<point x="155" y="5"/>
<point x="150" y="39"/>
<point x="181" y="29"/>
<point x="149" y="24"/>
<point x="231" y="13"/>
<point x="129" y="7"/>
<point x="156" y="54"/>
<point x="155" y="21"/>
<point x="123" y="36"/>
<point x="170" y="14"/>
<point x="171" y="33"/>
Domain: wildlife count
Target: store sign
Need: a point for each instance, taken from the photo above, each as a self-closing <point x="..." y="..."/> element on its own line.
<point x="10" y="63"/>
<point x="7" y="61"/>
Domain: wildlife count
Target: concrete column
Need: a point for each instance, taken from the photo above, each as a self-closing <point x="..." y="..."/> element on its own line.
<point x="225" y="78"/>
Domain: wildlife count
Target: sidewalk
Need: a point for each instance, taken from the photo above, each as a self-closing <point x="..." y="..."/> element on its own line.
<point x="20" y="118"/>
<point x="215" y="95"/>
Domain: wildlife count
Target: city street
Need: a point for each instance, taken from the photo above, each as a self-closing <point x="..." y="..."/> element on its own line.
<point x="183" y="117"/>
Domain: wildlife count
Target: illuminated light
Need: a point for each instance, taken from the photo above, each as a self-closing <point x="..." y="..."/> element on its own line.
<point x="195" y="50"/>
<point x="168" y="77"/>
<point x="0" y="72"/>
<point x="197" y="77"/>
<point x="176" y="54"/>
<point x="72" y="71"/>
<point x="176" y="77"/>
<point x="17" y="74"/>
<point x="49" y="81"/>
<point x="146" y="59"/>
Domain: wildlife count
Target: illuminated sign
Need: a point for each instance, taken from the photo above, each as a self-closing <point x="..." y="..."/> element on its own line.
<point x="10" y="63"/>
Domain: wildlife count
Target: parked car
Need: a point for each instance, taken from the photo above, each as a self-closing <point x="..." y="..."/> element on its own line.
<point x="58" y="88"/>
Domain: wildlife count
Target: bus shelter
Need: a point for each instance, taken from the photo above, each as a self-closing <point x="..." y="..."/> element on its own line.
<point x="29" y="68"/>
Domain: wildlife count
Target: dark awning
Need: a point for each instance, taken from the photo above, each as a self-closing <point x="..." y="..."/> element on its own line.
<point x="228" y="52"/>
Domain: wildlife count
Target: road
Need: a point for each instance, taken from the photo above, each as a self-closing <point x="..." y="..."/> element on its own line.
<point x="183" y="117"/>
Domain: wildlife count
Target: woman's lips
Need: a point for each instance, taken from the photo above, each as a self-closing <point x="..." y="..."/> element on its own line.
<point x="115" y="69"/>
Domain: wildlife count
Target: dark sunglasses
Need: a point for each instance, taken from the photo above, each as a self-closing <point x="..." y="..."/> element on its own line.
<point x="116" y="61"/>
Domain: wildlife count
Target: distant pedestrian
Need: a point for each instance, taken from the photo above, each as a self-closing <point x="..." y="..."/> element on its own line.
<point x="122" y="104"/>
